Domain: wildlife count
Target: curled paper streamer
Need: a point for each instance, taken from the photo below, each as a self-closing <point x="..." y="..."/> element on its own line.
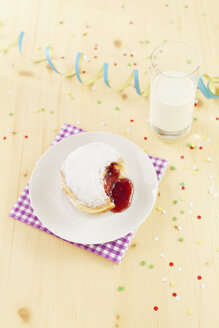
<point x="209" y="89"/>
<point x="102" y="73"/>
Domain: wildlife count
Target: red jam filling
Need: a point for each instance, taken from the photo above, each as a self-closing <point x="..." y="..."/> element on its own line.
<point x="119" y="190"/>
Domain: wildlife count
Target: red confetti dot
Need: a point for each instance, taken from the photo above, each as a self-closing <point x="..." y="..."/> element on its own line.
<point x="174" y="294"/>
<point x="195" y="104"/>
<point x="131" y="22"/>
<point x="115" y="64"/>
<point x="61" y="22"/>
<point x="217" y="118"/>
<point x="166" y="5"/>
<point x="84" y="34"/>
<point x="191" y="147"/>
<point x="199" y="277"/>
<point x="200" y="147"/>
<point x="87" y="26"/>
<point x="145" y="138"/>
<point x="26" y="137"/>
<point x="131" y="55"/>
<point x="186" y="6"/>
<point x="135" y="64"/>
<point x="124" y="54"/>
<point x="155" y="308"/>
<point x="183" y="188"/>
<point x="95" y="48"/>
<point x="83" y="72"/>
<point x="95" y="57"/>
<point x="181" y="156"/>
<point x="199" y="217"/>
<point x="131" y="120"/>
<point x="4" y="138"/>
<point x="62" y="57"/>
<point x="171" y="264"/>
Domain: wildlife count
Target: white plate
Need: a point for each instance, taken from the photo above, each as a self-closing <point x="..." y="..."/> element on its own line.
<point x="57" y="213"/>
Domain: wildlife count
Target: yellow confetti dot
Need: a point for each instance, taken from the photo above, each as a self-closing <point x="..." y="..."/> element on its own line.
<point x="144" y="150"/>
<point x="189" y="312"/>
<point x="217" y="249"/>
<point x="36" y="110"/>
<point x="102" y="7"/>
<point x="160" y="209"/>
<point x="11" y="126"/>
<point x="144" y="72"/>
<point x="215" y="146"/>
<point x="186" y="167"/>
<point x="200" y="241"/>
<point x="54" y="130"/>
<point x="172" y="283"/>
<point x="205" y="137"/>
<point x="182" y="199"/>
<point x="194" y="172"/>
<point x="69" y="93"/>
<point x="124" y="132"/>
<point x="72" y="36"/>
<point x="38" y="48"/>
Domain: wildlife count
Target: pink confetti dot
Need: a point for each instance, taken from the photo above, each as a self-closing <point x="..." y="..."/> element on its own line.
<point x="171" y="264"/>
<point x="166" y="5"/>
<point x="115" y="64"/>
<point x="155" y="308"/>
<point x="134" y="64"/>
<point x="186" y="6"/>
<point x="199" y="277"/>
<point x="124" y="54"/>
<point x="131" y="22"/>
<point x="62" y="57"/>
<point x="95" y="57"/>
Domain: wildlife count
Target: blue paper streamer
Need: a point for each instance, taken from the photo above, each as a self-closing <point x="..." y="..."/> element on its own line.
<point x="49" y="60"/>
<point x="77" y="66"/>
<point x="105" y="74"/>
<point x="136" y="80"/>
<point x="205" y="89"/>
<point x="20" y="40"/>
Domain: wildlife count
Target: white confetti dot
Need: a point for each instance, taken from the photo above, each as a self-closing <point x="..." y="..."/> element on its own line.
<point x="208" y="140"/>
<point x="103" y="123"/>
<point x="191" y="204"/>
<point x="180" y="227"/>
<point x="196" y="101"/>
<point x="215" y="196"/>
<point x="211" y="118"/>
<point x="8" y="130"/>
<point x="164" y="279"/>
<point x="93" y="87"/>
<point x="211" y="190"/>
<point x="194" y="167"/>
<point x="162" y="254"/>
<point x="78" y="122"/>
<point x="164" y="212"/>
<point x="62" y="53"/>
<point x="155" y="238"/>
<point x="190" y="211"/>
<point x="86" y="59"/>
<point x="127" y="129"/>
<point x="9" y="92"/>
<point x="202" y="286"/>
<point x="179" y="269"/>
<point x="177" y="298"/>
<point x="209" y="159"/>
<point x="210" y="176"/>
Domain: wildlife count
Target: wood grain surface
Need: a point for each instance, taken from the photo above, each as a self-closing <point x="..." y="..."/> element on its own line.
<point x="48" y="283"/>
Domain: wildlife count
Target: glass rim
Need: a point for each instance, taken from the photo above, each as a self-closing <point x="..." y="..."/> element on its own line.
<point x="176" y="42"/>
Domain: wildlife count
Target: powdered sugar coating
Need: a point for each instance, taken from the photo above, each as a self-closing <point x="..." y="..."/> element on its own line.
<point x="84" y="171"/>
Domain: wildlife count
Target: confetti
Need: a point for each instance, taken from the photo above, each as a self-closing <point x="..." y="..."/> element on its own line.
<point x="103" y="123"/>
<point x="164" y="212"/>
<point x="172" y="168"/>
<point x="36" y="110"/>
<point x="162" y="255"/>
<point x="54" y="130"/>
<point x="202" y="286"/>
<point x="182" y="157"/>
<point x="99" y="102"/>
<point x="175" y="202"/>
<point x="171" y="264"/>
<point x="120" y="288"/>
<point x="189" y="312"/>
<point x="179" y="269"/>
<point x="191" y="204"/>
<point x="11" y="114"/>
<point x="25" y="137"/>
<point x="4" y="138"/>
<point x="186" y="167"/>
<point x="181" y="239"/>
<point x="143" y="263"/>
<point x="155" y="238"/>
<point x="9" y="92"/>
<point x="199" y="217"/>
<point x="174" y="294"/>
<point x="116" y="108"/>
<point x="172" y="284"/>
<point x="217" y="249"/>
<point x="174" y="218"/>
<point x="190" y="212"/>
<point x="182" y="212"/>
<point x="51" y="112"/>
<point x="179" y="228"/>
<point x="42" y="109"/>
<point x="199" y="277"/>
<point x="159" y="209"/>
<point x="164" y="279"/>
<point x="182" y="199"/>
<point x="177" y="298"/>
<point x="151" y="266"/>
<point x="200" y="241"/>
<point x="155" y="308"/>
<point x="131" y="120"/>
<point x="78" y="122"/>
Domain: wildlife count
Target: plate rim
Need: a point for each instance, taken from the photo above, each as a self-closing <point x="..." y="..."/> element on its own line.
<point x="78" y="135"/>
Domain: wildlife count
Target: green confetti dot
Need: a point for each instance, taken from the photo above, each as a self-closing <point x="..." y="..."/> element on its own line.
<point x="42" y="109"/>
<point x="143" y="263"/>
<point x="141" y="42"/>
<point x="175" y="202"/>
<point x="164" y="41"/>
<point x="129" y="64"/>
<point x="195" y="119"/>
<point x="188" y="61"/>
<point x="99" y="101"/>
<point x="151" y="266"/>
<point x="174" y="218"/>
<point x="117" y="108"/>
<point x="197" y="169"/>
<point x="180" y="239"/>
<point x="11" y="114"/>
<point x="120" y="288"/>
<point x="181" y="183"/>
<point x="182" y="212"/>
<point x="204" y="14"/>
<point x="51" y="112"/>
<point x="189" y="145"/>
<point x="172" y="168"/>
<point x="147" y="41"/>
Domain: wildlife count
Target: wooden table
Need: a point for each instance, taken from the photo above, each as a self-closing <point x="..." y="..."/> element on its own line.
<point x="46" y="282"/>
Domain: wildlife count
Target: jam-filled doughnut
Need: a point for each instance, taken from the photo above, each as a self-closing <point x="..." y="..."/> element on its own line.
<point x="93" y="176"/>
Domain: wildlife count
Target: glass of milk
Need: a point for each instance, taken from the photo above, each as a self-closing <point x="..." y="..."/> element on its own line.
<point x="174" y="75"/>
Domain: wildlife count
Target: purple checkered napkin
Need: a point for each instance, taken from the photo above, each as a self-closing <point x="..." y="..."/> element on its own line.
<point x="114" y="250"/>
